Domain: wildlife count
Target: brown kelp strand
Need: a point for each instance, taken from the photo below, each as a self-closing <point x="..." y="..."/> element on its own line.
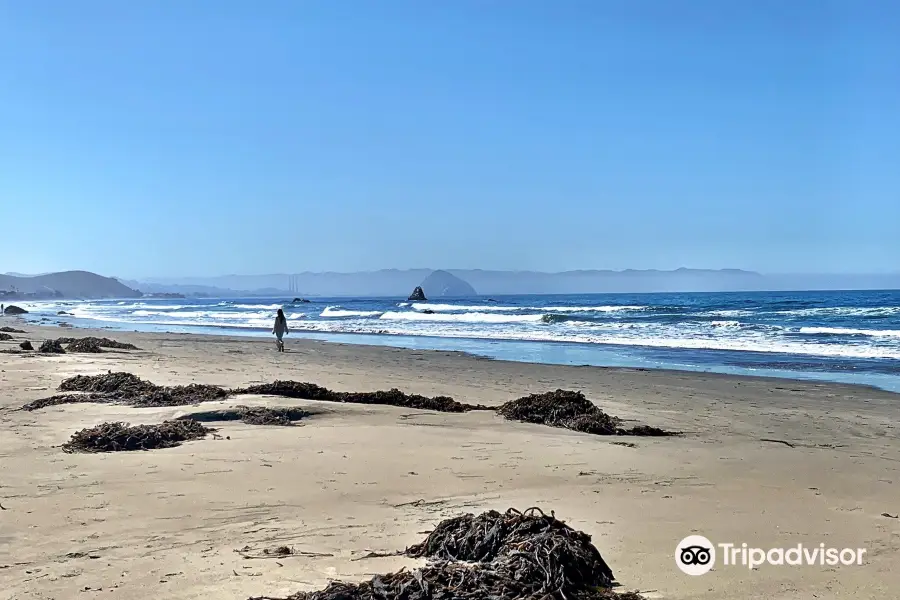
<point x="120" y="383"/>
<point x="571" y="410"/>
<point x="82" y="345"/>
<point x="51" y="347"/>
<point x="252" y="415"/>
<point x="67" y="399"/>
<point x="95" y="342"/>
<point x="493" y="556"/>
<point x="393" y="397"/>
<point x="137" y="392"/>
<point x="117" y="437"/>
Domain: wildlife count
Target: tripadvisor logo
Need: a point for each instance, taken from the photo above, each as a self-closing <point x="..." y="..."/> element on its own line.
<point x="696" y="555"/>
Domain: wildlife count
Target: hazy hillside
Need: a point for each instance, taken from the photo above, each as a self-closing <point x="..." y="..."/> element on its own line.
<point x="69" y="284"/>
<point x="393" y="282"/>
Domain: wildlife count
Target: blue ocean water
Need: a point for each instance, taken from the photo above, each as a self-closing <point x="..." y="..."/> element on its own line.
<point x="849" y="336"/>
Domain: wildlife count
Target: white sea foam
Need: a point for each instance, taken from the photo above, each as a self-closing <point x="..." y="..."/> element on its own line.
<point x="419" y="306"/>
<point x="467" y="307"/>
<point x="725" y="323"/>
<point x="849" y="331"/>
<point x="337" y="311"/>
<point x="258" y="306"/>
<point x="729" y="313"/>
<point x="747" y="343"/>
<point x="468" y="317"/>
<point x="844" y="311"/>
<point x="558" y="309"/>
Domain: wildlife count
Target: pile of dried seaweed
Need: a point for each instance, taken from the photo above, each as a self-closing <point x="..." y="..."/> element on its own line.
<point x="95" y="342"/>
<point x="26" y="345"/>
<point x="67" y="399"/>
<point x="252" y="415"/>
<point x="10" y="330"/>
<point x="393" y="397"/>
<point x="178" y="395"/>
<point x="51" y="347"/>
<point x="5" y="337"/>
<point x="116" y="437"/>
<point x="128" y="389"/>
<point x="120" y="383"/>
<point x="570" y="410"/>
<point x="91" y="345"/>
<point x="492" y="556"/>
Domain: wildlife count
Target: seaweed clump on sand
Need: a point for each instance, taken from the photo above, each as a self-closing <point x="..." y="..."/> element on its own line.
<point x="570" y="410"/>
<point x="178" y="395"/>
<point x="26" y="345"/>
<point x="129" y="389"/>
<point x="95" y="342"/>
<point x="10" y="330"/>
<point x="510" y="556"/>
<point x="5" y="337"/>
<point x="51" y="347"/>
<point x="86" y="345"/>
<point x="117" y="437"/>
<point x="393" y="397"/>
<point x="252" y="415"/>
<point x="120" y="383"/>
<point x="137" y="392"/>
<point x="66" y="399"/>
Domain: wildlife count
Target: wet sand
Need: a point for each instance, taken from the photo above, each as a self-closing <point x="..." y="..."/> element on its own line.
<point x="357" y="479"/>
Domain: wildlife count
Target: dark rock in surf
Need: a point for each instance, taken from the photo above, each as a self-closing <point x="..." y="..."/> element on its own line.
<point x="14" y="310"/>
<point x="418" y="295"/>
<point x="300" y="301"/>
<point x="63" y="313"/>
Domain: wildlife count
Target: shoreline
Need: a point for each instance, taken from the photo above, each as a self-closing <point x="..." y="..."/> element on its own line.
<point x="756" y="463"/>
<point x="888" y="384"/>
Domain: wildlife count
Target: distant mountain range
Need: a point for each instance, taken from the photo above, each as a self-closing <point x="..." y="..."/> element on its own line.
<point x="454" y="282"/>
<point x="67" y="284"/>
<point x="394" y="282"/>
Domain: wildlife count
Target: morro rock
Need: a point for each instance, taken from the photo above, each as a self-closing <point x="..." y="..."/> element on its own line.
<point x="446" y="285"/>
<point x="418" y="295"/>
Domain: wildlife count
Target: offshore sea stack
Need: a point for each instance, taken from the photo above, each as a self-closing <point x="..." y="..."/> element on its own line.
<point x="443" y="284"/>
<point x="418" y="295"/>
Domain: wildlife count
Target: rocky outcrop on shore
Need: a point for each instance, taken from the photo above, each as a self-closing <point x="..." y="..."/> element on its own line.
<point x="14" y="310"/>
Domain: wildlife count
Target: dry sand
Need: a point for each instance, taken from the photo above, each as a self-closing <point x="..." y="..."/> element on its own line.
<point x="359" y="479"/>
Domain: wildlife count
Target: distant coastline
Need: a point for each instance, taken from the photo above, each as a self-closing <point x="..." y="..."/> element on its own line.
<point x="390" y="283"/>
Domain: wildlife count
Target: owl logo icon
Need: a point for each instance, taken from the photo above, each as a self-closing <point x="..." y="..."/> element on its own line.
<point x="695" y="555"/>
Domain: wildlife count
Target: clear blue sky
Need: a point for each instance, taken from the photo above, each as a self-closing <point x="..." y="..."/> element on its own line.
<point x="167" y="137"/>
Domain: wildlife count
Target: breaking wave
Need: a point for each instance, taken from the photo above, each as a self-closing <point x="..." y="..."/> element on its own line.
<point x="338" y="312"/>
<point x="468" y="317"/>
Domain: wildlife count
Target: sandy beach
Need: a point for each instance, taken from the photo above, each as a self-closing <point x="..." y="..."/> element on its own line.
<point x="356" y="479"/>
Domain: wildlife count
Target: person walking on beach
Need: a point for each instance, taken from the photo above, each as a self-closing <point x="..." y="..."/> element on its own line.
<point x="280" y="329"/>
